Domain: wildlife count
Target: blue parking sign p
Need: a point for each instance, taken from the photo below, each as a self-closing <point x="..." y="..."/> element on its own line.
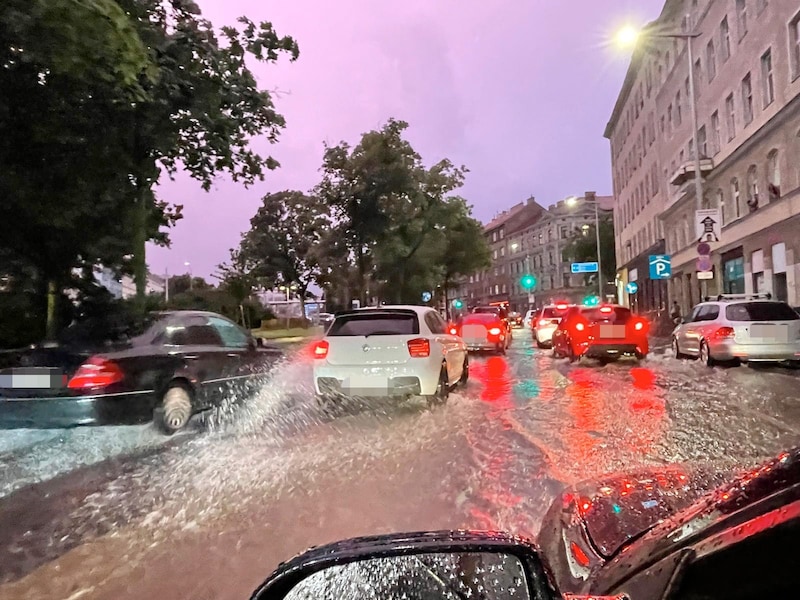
<point x="660" y="266"/>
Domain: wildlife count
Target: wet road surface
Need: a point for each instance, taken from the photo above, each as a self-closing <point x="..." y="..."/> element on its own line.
<point x="209" y="515"/>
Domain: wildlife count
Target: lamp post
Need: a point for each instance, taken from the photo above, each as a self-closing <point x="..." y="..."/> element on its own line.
<point x="629" y="37"/>
<point x="572" y="201"/>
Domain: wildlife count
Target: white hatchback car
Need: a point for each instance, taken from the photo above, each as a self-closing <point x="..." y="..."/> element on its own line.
<point x="389" y="351"/>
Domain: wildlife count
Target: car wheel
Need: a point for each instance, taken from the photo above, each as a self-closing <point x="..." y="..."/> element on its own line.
<point x="676" y="349"/>
<point x="442" y="390"/>
<point x="571" y="353"/>
<point x="501" y="348"/>
<point x="641" y="355"/>
<point x="175" y="409"/>
<point x="464" y="372"/>
<point x="540" y="345"/>
<point x="705" y="355"/>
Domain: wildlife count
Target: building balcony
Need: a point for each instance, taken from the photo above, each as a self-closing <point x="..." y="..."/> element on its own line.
<point x="685" y="172"/>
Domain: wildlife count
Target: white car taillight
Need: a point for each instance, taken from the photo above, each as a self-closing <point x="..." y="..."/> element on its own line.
<point x="419" y="348"/>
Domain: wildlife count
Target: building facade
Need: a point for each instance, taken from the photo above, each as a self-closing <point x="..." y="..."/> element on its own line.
<point x="529" y="239"/>
<point x="747" y="94"/>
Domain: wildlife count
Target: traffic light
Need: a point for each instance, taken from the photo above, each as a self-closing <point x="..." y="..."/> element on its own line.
<point x="458" y="304"/>
<point x="528" y="282"/>
<point x="591" y="301"/>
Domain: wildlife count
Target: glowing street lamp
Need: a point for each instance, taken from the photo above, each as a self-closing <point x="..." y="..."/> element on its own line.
<point x="627" y="37"/>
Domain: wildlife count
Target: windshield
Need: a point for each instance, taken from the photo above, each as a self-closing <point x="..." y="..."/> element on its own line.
<point x="263" y="267"/>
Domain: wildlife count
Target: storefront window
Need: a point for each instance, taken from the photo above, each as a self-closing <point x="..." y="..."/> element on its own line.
<point x="733" y="276"/>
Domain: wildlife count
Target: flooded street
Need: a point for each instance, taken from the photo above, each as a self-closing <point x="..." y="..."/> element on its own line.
<point x="208" y="515"/>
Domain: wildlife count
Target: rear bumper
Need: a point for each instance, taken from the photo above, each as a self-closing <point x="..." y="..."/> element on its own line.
<point x="544" y="335"/>
<point x="376" y="382"/>
<point x="127" y="408"/>
<point x="614" y="349"/>
<point x="729" y="350"/>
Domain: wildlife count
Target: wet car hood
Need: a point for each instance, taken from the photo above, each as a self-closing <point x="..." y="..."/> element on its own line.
<point x="620" y="508"/>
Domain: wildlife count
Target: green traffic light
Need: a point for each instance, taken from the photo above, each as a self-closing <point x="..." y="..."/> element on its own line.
<point x="458" y="304"/>
<point x="591" y="301"/>
<point x="528" y="282"/>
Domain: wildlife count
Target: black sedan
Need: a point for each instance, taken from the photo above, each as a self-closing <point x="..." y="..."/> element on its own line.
<point x="656" y="534"/>
<point x="172" y="365"/>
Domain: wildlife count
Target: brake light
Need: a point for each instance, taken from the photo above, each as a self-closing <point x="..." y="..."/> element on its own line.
<point x="495" y="331"/>
<point x="419" y="348"/>
<point x="724" y="332"/>
<point x="543" y="322"/>
<point x="97" y="372"/>
<point x="605" y="309"/>
<point x="579" y="326"/>
<point x="453" y="331"/>
<point x="561" y="306"/>
<point x="320" y="349"/>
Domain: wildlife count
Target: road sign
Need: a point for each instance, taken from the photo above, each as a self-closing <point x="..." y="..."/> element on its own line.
<point x="703" y="249"/>
<point x="705" y="274"/>
<point x="708" y="224"/>
<point x="632" y="287"/>
<point x="426" y="296"/>
<point x="660" y="266"/>
<point x="585" y="267"/>
<point x="704" y="263"/>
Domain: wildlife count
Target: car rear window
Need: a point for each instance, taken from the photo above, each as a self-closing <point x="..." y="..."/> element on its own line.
<point x="481" y="318"/>
<point x="760" y="311"/>
<point x="375" y="324"/>
<point x="617" y="314"/>
<point x="553" y="312"/>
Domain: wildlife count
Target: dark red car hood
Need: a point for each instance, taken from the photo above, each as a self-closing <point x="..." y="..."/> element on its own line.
<point x="619" y="508"/>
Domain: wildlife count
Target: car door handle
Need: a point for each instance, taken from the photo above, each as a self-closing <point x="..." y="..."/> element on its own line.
<point x="191" y="356"/>
<point x="233" y="355"/>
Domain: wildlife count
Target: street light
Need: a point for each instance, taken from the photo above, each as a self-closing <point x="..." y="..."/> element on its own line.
<point x="189" y="266"/>
<point x="626" y="39"/>
<point x="287" y="289"/>
<point x="572" y="201"/>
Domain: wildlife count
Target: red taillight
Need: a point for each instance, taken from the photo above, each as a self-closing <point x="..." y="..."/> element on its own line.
<point x="495" y="331"/>
<point x="724" y="332"/>
<point x="606" y="309"/>
<point x="579" y="554"/>
<point x="97" y="372"/>
<point x="453" y="331"/>
<point x="580" y="326"/>
<point x="320" y="349"/>
<point x="561" y="306"/>
<point x="419" y="348"/>
<point x="543" y="322"/>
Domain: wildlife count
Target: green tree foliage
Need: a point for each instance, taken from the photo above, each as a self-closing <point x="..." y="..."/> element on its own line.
<point x="283" y="243"/>
<point x="582" y="246"/>
<point x="400" y="230"/>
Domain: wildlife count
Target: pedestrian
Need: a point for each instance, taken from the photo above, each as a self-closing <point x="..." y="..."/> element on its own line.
<point x="675" y="313"/>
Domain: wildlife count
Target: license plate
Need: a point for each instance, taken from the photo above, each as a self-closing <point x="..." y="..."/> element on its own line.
<point x="612" y="331"/>
<point x="474" y="332"/>
<point x="770" y="333"/>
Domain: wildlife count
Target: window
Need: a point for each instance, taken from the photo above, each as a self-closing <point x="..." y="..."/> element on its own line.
<point x="725" y="39"/>
<point x="715" y="133"/>
<point x="794" y="40"/>
<point x="760" y="311"/>
<point x="678" y="111"/>
<point x="721" y="205"/>
<point x="232" y="336"/>
<point x="711" y="61"/>
<point x="702" y="144"/>
<point x="767" y="78"/>
<point x="760" y="6"/>
<point x="747" y="99"/>
<point x="736" y="199"/>
<point x="670" y="117"/>
<point x="435" y="323"/>
<point x="698" y="73"/>
<point x="752" y="187"/>
<point x="730" y="115"/>
<point x="741" y="17"/>
<point x="662" y="124"/>
<point x="773" y="175"/>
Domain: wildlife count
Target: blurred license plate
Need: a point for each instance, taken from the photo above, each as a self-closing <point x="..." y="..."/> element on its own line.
<point x="770" y="333"/>
<point x="473" y="332"/>
<point x="32" y="378"/>
<point x="612" y="331"/>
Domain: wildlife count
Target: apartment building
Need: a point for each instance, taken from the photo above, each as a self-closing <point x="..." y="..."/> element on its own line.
<point x="530" y="239"/>
<point x="747" y="94"/>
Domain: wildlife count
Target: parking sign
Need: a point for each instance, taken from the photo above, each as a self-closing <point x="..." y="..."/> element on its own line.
<point x="660" y="266"/>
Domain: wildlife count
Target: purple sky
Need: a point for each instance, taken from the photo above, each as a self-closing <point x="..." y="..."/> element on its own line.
<point x="519" y="91"/>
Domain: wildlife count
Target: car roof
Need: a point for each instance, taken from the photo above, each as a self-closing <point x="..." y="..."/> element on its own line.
<point x="420" y="310"/>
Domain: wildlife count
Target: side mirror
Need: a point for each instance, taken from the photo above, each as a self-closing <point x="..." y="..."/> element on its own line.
<point x="259" y="342"/>
<point x="422" y="566"/>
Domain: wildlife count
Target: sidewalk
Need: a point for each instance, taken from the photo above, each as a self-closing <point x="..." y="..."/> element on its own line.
<point x="287" y="336"/>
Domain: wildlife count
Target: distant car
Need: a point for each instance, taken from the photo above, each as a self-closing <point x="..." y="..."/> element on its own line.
<point x="545" y="323"/>
<point x="166" y="368"/>
<point x="391" y="351"/>
<point x="501" y="312"/>
<point x="739" y="328"/>
<point x="528" y="320"/>
<point x="325" y="320"/>
<point x="604" y="332"/>
<point x="515" y="319"/>
<point x="483" y="332"/>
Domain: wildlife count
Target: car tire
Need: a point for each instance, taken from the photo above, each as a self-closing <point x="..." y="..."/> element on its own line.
<point x="501" y="348"/>
<point x="464" y="372"/>
<point x="571" y="353"/>
<point x="175" y="409"/>
<point x="641" y="356"/>
<point x="442" y="390"/>
<point x="541" y="345"/>
<point x="705" y="355"/>
<point x="676" y="349"/>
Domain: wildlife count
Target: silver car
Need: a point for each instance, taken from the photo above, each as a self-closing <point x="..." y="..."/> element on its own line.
<point x="739" y="327"/>
<point x="545" y="323"/>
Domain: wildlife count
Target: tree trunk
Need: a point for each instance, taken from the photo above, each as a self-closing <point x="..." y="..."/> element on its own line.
<point x="51" y="326"/>
<point x="302" y="291"/>
<point x="139" y="245"/>
<point x="445" y="287"/>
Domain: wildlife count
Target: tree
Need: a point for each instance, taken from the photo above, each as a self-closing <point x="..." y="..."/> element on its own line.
<point x="582" y="245"/>
<point x="202" y="107"/>
<point x="282" y="244"/>
<point x="67" y="70"/>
